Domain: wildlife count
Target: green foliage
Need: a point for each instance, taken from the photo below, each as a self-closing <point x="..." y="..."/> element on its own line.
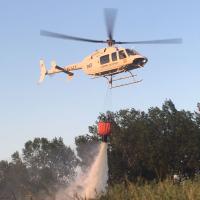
<point x="154" y="145"/>
<point x="149" y="145"/>
<point x="144" y="149"/>
<point x="44" y="166"/>
<point x="13" y="178"/>
<point x="51" y="157"/>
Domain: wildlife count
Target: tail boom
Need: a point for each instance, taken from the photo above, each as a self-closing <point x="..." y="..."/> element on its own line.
<point x="56" y="69"/>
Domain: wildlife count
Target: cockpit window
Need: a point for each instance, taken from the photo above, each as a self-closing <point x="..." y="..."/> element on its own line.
<point x="114" y="56"/>
<point x="104" y="59"/>
<point x="131" y="52"/>
<point x="122" y="54"/>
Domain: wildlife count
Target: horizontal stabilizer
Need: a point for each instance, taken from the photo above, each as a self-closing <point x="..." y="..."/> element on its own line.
<point x="64" y="70"/>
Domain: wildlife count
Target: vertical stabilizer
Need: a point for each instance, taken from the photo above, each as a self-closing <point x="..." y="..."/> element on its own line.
<point x="43" y="71"/>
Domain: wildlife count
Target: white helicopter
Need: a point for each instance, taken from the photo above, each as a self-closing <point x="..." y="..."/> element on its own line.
<point x="107" y="62"/>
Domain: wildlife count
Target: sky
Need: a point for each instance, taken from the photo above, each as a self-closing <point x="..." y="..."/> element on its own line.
<point x="61" y="108"/>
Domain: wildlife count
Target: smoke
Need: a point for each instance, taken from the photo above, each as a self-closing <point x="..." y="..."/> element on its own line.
<point x="92" y="182"/>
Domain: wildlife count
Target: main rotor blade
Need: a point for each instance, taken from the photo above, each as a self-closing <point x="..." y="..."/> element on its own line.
<point x="164" y="41"/>
<point x="110" y="16"/>
<point x="68" y="37"/>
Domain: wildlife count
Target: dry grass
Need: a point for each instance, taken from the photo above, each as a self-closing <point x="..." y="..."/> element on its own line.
<point x="166" y="190"/>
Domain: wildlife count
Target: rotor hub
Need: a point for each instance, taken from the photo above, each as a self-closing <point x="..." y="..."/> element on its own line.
<point x="110" y="42"/>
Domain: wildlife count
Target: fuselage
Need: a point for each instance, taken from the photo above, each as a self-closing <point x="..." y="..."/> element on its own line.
<point x="112" y="60"/>
<point x="103" y="62"/>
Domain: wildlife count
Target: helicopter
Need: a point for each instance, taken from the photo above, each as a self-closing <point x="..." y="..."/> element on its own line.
<point x="107" y="62"/>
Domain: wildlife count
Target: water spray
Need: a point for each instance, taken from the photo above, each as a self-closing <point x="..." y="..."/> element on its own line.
<point x="91" y="183"/>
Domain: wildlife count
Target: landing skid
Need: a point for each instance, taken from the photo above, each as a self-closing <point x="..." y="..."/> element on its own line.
<point x="111" y="80"/>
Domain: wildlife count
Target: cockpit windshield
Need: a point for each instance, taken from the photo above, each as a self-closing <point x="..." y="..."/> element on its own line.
<point x="131" y="52"/>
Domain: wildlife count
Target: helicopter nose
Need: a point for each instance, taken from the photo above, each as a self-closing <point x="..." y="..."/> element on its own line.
<point x="145" y="60"/>
<point x="140" y="61"/>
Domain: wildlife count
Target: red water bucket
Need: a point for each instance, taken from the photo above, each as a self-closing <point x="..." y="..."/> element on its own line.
<point x="104" y="128"/>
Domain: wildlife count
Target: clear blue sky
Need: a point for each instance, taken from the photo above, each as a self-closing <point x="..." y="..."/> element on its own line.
<point x="66" y="109"/>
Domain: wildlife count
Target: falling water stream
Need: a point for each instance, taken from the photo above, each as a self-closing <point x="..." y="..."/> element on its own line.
<point x="93" y="182"/>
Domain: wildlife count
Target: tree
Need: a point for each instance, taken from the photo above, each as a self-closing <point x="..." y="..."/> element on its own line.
<point x="50" y="164"/>
<point x="154" y="145"/>
<point x="14" y="178"/>
<point x="147" y="146"/>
